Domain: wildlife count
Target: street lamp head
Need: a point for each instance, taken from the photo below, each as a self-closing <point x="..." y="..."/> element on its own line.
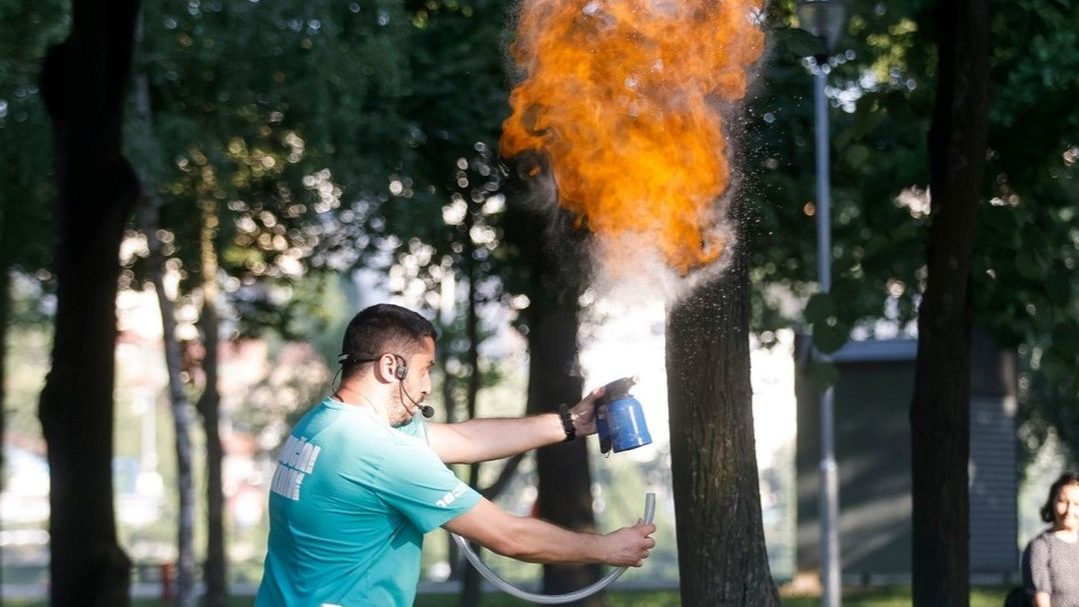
<point x="824" y="19"/>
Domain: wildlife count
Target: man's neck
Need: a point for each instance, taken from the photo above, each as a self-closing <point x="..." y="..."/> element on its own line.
<point x="356" y="396"/>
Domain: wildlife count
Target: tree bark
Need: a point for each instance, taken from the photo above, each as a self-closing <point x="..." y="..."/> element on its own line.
<point x="565" y="481"/>
<point x="5" y="299"/>
<point x="83" y="83"/>
<point x="209" y="407"/>
<point x="546" y="242"/>
<point x="186" y="592"/>
<point x="471" y="587"/>
<point x="564" y="494"/>
<point x="940" y="412"/>
<point x="722" y="557"/>
<point x="459" y="568"/>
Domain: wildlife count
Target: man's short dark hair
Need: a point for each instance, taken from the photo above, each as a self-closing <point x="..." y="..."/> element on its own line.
<point x="1049" y="510"/>
<point x="382" y="329"/>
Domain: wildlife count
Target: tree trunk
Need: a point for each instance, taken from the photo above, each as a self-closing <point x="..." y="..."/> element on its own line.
<point x="471" y="588"/>
<point x="554" y="283"/>
<point x="458" y="566"/>
<point x="565" y="482"/>
<point x="186" y="592"/>
<point x="214" y="569"/>
<point x="83" y="81"/>
<point x="940" y="412"/>
<point x="722" y="557"/>
<point x="5" y="299"/>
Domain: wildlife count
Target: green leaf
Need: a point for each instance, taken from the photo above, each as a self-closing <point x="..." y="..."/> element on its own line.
<point x="819" y="308"/>
<point x="1065" y="337"/>
<point x="1058" y="290"/>
<point x="1055" y="366"/>
<point x="797" y="41"/>
<point x="1031" y="264"/>
<point x="857" y="155"/>
<point x="830" y="337"/>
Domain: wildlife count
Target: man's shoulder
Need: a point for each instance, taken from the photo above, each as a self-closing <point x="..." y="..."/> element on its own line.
<point x="331" y="418"/>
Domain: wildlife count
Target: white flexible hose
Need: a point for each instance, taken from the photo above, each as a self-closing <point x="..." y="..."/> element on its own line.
<point x="549" y="599"/>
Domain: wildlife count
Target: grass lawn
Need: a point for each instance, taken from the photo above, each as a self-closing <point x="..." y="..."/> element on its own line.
<point x="875" y="597"/>
<point x="898" y="596"/>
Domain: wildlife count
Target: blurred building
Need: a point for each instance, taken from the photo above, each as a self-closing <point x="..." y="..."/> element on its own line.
<point x="872" y="444"/>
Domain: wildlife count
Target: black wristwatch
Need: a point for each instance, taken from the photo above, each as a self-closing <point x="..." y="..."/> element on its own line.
<point x="567" y="422"/>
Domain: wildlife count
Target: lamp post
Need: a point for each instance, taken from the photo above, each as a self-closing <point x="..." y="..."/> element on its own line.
<point x="824" y="19"/>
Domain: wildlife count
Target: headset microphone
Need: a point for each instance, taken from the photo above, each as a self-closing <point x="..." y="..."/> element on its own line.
<point x="427" y="410"/>
<point x="401" y="372"/>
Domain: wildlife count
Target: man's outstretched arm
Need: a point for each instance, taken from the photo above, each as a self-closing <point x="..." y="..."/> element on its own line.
<point x="535" y="541"/>
<point x="480" y="440"/>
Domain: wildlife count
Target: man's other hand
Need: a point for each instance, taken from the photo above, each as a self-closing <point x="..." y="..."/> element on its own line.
<point x="629" y="546"/>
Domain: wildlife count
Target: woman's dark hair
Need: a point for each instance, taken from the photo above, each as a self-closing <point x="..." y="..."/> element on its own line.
<point x="1048" y="511"/>
<point x="381" y="329"/>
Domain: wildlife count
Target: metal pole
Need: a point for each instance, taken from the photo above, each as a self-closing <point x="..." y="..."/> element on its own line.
<point x="829" y="474"/>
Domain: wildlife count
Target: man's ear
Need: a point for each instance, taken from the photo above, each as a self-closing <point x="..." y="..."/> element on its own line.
<point x="384" y="367"/>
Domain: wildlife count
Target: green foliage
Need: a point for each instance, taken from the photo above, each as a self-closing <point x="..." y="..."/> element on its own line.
<point x="443" y="219"/>
<point x="897" y="596"/>
<point x="27" y="190"/>
<point x="880" y="108"/>
<point x="881" y="88"/>
<point x="1028" y="246"/>
<point x="283" y="119"/>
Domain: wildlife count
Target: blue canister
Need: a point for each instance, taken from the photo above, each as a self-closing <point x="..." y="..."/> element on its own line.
<point x="621" y="425"/>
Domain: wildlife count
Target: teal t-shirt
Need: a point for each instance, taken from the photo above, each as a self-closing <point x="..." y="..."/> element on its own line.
<point x="350" y="502"/>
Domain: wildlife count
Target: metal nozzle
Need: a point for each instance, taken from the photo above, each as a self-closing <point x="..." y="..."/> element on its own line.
<point x="618" y="388"/>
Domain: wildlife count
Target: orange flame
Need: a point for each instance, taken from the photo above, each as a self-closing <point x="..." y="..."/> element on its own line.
<point x="620" y="96"/>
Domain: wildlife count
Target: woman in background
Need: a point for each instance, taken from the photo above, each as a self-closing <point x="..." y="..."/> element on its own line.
<point x="1051" y="560"/>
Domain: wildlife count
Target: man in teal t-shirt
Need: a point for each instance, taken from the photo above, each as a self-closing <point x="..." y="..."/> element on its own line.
<point x="368" y="492"/>
<point x="361" y="479"/>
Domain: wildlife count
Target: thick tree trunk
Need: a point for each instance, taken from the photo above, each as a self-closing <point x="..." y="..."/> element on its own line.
<point x="5" y="304"/>
<point x="555" y="276"/>
<point x="940" y="412"/>
<point x="5" y="299"/>
<point x="83" y="81"/>
<point x="209" y="407"/>
<point x="721" y="552"/>
<point x="565" y="482"/>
